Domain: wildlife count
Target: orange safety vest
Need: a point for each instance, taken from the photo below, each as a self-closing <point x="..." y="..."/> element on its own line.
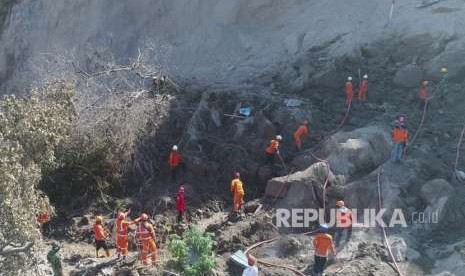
<point x="145" y="233"/>
<point x="399" y="135"/>
<point x="273" y="147"/>
<point x="99" y="233"/>
<point x="122" y="227"/>
<point x="322" y="244"/>
<point x="236" y="187"/>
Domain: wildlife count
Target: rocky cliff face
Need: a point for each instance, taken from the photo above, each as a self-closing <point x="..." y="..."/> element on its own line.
<point x="222" y="41"/>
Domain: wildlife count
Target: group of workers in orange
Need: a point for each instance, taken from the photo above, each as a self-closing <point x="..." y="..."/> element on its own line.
<point x="362" y="90"/>
<point x="145" y="235"/>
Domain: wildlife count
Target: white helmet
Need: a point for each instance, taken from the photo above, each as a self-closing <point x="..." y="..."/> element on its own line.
<point x="279" y="137"/>
<point x="175" y="147"/>
<point x="349" y="78"/>
<point x="365" y="76"/>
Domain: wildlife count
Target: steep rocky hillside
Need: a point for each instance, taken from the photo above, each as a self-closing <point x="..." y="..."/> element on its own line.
<point x="219" y="54"/>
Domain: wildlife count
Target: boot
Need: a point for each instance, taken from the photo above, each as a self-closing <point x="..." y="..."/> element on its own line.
<point x="107" y="252"/>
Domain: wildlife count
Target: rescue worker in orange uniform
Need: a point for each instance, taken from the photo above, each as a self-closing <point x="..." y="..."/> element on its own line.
<point x="122" y="227"/>
<point x="301" y="132"/>
<point x="237" y="189"/>
<point x="175" y="162"/>
<point x="343" y="223"/>
<point x="349" y="91"/>
<point x="323" y="243"/>
<point x="423" y="95"/>
<point x="100" y="235"/>
<point x="399" y="138"/>
<point x="146" y="236"/>
<point x="363" y="89"/>
<point x="273" y="149"/>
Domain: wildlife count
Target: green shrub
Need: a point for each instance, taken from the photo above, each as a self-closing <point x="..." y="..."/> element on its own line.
<point x="193" y="254"/>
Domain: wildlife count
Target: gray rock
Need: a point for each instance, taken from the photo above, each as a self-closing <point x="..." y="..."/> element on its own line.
<point x="301" y="189"/>
<point x="399" y="248"/>
<point x="351" y="153"/>
<point x="433" y="190"/>
<point x="409" y="76"/>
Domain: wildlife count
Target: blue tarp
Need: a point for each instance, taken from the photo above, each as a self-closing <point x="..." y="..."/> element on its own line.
<point x="245" y="111"/>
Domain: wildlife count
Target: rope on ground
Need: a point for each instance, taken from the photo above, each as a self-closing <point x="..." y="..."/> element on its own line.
<point x="297" y="272"/>
<point x="380" y="204"/>
<point x="425" y="108"/>
<point x="459" y="144"/>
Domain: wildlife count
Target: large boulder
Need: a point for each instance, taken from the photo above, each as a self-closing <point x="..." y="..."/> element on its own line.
<point x="409" y="76"/>
<point x="301" y="189"/>
<point x="435" y="189"/>
<point x="351" y="153"/>
<point x="399" y="184"/>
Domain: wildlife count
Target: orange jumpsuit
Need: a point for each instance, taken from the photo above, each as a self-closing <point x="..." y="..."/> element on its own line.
<point x="238" y="194"/>
<point x="362" y="91"/>
<point x="146" y="236"/>
<point x="302" y="131"/>
<point x="122" y="236"/>
<point x="349" y="92"/>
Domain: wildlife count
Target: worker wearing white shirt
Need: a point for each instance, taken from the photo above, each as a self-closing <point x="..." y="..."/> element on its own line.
<point x="252" y="270"/>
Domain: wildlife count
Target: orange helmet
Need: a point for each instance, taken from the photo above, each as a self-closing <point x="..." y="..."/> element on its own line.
<point x="121" y="216"/>
<point x="144" y="217"/>
<point x="339" y="203"/>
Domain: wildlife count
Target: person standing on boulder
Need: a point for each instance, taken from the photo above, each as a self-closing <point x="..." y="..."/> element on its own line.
<point x="237" y="189"/>
<point x="175" y="162"/>
<point x="273" y="149"/>
<point x="349" y="91"/>
<point x="252" y="270"/>
<point x="343" y="223"/>
<point x="300" y="133"/>
<point x="363" y="89"/>
<point x="423" y="95"/>
<point x="323" y="243"/>
<point x="180" y="204"/>
<point x="399" y="138"/>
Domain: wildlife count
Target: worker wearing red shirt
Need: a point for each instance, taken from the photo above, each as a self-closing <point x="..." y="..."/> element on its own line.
<point x="175" y="162"/>
<point x="180" y="204"/>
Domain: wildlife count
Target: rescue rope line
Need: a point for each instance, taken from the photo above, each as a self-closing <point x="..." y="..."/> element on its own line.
<point x="297" y="272"/>
<point x="459" y="144"/>
<point x="385" y="236"/>
<point x="425" y="108"/>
